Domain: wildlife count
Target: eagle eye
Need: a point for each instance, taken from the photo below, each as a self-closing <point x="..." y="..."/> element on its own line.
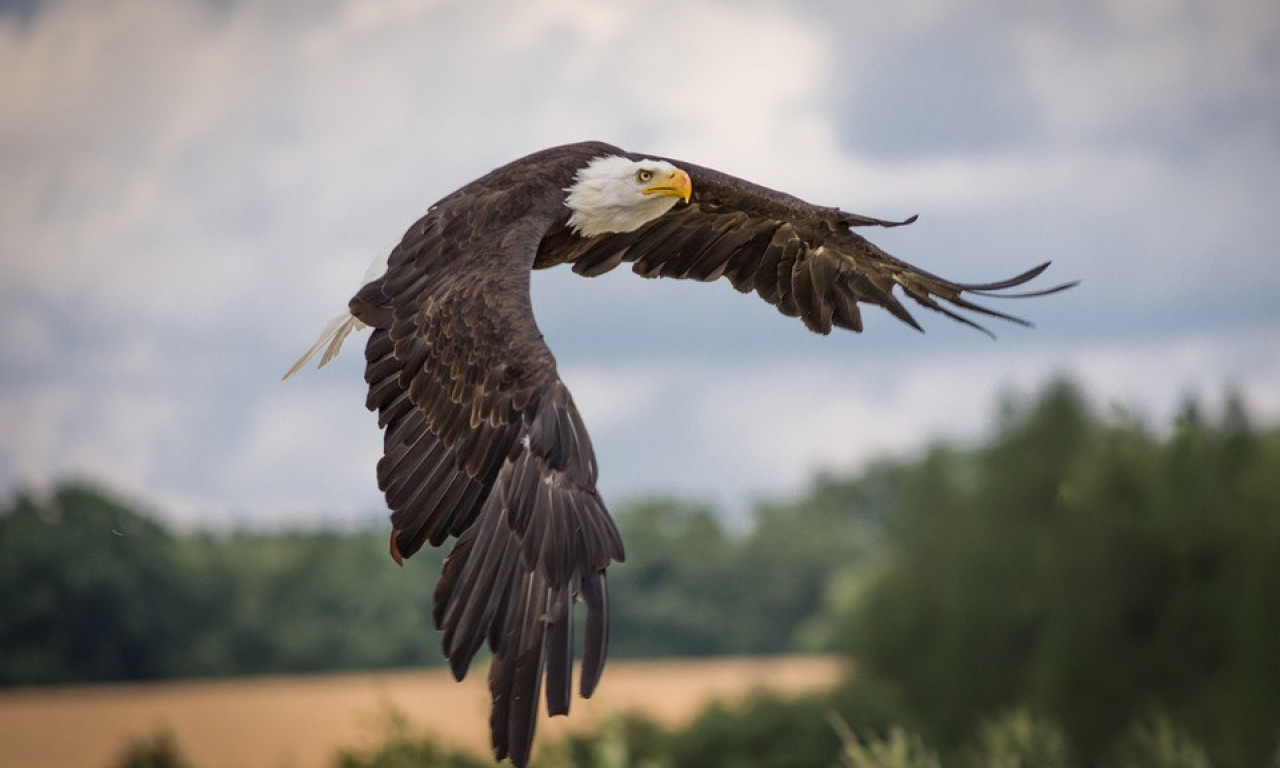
<point x="644" y="175"/>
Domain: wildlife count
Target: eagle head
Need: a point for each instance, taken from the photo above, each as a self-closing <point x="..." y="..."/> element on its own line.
<point x="616" y="194"/>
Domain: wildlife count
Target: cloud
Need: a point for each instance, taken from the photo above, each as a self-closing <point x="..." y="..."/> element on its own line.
<point x="192" y="189"/>
<point x="299" y="439"/>
<point x="736" y="432"/>
<point x="64" y="430"/>
<point x="1168" y="70"/>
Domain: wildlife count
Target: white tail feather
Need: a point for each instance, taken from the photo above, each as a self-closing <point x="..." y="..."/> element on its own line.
<point x="334" y="333"/>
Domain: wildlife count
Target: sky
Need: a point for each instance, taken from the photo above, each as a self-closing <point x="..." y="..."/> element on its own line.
<point x="190" y="189"/>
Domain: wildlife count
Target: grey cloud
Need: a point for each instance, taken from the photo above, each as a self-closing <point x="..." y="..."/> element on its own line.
<point x="945" y="90"/>
<point x="199" y="187"/>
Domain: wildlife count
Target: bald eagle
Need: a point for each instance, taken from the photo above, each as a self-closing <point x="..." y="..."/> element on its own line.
<point x="482" y="441"/>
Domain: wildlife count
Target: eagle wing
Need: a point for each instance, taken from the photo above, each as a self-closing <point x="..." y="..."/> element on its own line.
<point x="482" y="441"/>
<point x="804" y="259"/>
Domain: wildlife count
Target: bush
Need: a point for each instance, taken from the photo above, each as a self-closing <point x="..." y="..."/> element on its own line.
<point x="404" y="747"/>
<point x="1155" y="742"/>
<point x="160" y="750"/>
<point x="624" y="741"/>
<point x="766" y="731"/>
<point x="899" y="749"/>
<point x="1020" y="740"/>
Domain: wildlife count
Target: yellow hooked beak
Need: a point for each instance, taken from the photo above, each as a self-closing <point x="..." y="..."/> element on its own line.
<point x="675" y="184"/>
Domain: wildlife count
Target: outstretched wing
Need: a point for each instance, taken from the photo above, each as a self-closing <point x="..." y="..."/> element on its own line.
<point x="482" y="441"/>
<point x="804" y="259"/>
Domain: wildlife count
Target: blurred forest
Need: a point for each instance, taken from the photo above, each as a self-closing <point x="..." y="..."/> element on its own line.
<point x="1078" y="586"/>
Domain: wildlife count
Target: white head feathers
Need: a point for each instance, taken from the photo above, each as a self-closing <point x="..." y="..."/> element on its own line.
<point x="615" y="194"/>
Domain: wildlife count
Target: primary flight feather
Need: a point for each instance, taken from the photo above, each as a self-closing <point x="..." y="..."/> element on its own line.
<point x="482" y="441"/>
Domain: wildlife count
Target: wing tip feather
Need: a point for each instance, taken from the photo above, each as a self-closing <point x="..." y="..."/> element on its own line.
<point x="331" y="337"/>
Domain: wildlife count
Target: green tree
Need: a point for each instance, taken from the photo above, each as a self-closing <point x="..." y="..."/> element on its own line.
<point x="91" y="589"/>
<point x="676" y="593"/>
<point x="87" y="591"/>
<point x="791" y="556"/>
<point x="690" y="586"/>
<point x="1088" y="570"/>
<point x="766" y="731"/>
<point x="297" y="601"/>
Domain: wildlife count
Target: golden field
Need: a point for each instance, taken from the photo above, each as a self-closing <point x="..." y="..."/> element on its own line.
<point x="301" y="721"/>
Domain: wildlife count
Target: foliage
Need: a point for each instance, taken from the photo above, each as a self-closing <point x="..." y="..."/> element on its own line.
<point x="403" y="747"/>
<point x="671" y="543"/>
<point x="1019" y="739"/>
<point x="309" y="601"/>
<point x="691" y="587"/>
<point x="88" y="590"/>
<point x="1089" y="570"/>
<point x="766" y="731"/>
<point x="899" y="749"/>
<point x="93" y="589"/>
<point x="160" y="750"/>
<point x="625" y="741"/>
<point x="762" y="732"/>
<point x="1155" y="742"/>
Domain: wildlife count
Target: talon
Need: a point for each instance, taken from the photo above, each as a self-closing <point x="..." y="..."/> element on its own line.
<point x="395" y="549"/>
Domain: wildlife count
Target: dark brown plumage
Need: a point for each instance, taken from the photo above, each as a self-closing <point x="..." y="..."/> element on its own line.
<point x="482" y="440"/>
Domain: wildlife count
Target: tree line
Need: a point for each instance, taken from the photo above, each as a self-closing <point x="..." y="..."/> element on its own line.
<point x="1099" y="572"/>
<point x="94" y="589"/>
<point x="1107" y="581"/>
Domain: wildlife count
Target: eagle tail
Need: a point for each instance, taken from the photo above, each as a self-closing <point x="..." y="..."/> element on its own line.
<point x="331" y="338"/>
